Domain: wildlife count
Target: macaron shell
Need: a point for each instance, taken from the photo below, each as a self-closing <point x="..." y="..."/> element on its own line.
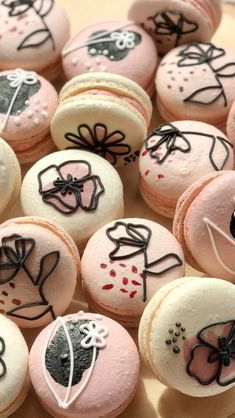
<point x="231" y="125"/>
<point x="32" y="35"/>
<point x="131" y="53"/>
<point x="112" y="382"/>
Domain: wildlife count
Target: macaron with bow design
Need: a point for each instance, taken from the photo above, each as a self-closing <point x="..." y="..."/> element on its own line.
<point x="197" y="82"/>
<point x="114" y="47"/>
<point x="73" y="367"/>
<point x="177" y="154"/>
<point x="173" y="23"/>
<point x="27" y="104"/>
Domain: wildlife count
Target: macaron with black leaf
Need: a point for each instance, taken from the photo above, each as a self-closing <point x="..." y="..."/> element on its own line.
<point x="175" y="155"/>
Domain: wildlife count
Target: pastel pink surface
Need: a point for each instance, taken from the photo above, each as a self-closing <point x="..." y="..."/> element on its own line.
<point x="32" y="35"/>
<point x="231" y="124"/>
<point x="117" y="285"/>
<point x="112" y="382"/>
<point x="138" y="64"/>
<point x="184" y="80"/>
<point x="59" y="286"/>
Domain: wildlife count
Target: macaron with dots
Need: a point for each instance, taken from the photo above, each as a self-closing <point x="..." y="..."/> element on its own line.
<point x="103" y="379"/>
<point x="125" y="263"/>
<point x="14" y="367"/>
<point x="77" y="189"/>
<point x="204" y="224"/>
<point x="33" y="34"/>
<point x="39" y="269"/>
<point x="116" y="47"/>
<point x="186" y="336"/>
<point x="107" y="114"/>
<point x="10" y="177"/>
<point x="197" y="82"/>
<point x="27" y="104"/>
<point x="177" y="154"/>
<point x="173" y="23"/>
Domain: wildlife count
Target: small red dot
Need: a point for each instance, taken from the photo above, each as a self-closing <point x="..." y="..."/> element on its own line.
<point x="103" y="266"/>
<point x="134" y="269"/>
<point x="16" y="302"/>
<point x="2" y="302"/>
<point x="4" y="293"/>
<point x="160" y="176"/>
<point x="132" y="294"/>
<point x="123" y="290"/>
<point x="12" y="285"/>
<point x="112" y="273"/>
<point x="142" y="275"/>
<point x="125" y="281"/>
<point x="145" y="152"/>
<point x="146" y="173"/>
<point x="122" y="265"/>
<point x="107" y="287"/>
<point x="135" y="283"/>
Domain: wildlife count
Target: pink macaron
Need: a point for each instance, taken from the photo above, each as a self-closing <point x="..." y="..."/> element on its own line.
<point x="177" y="154"/>
<point x="84" y="365"/>
<point x="125" y="263"/>
<point x="231" y="124"/>
<point x="115" y="47"/>
<point x="205" y="224"/>
<point x="27" y="104"/>
<point x="177" y="22"/>
<point x="197" y="82"/>
<point x="33" y="33"/>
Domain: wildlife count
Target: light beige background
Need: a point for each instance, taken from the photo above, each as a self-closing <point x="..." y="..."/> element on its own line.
<point x="152" y="399"/>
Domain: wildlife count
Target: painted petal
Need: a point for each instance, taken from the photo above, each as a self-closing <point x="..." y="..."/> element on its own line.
<point x="118" y="149"/>
<point x="30" y="312"/>
<point x="63" y="203"/>
<point x="100" y="133"/>
<point x="78" y="169"/>
<point x="210" y="334"/>
<point x="46" y="178"/>
<point x="78" y="141"/>
<point x="199" y="367"/>
<point x="85" y="133"/>
<point x="19" y="9"/>
<point x="227" y="375"/>
<point x="115" y="138"/>
<point x="219" y="152"/>
<point x="92" y="188"/>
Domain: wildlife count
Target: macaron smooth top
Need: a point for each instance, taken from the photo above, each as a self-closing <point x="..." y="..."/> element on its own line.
<point x="104" y="113"/>
<point x="116" y="47"/>
<point x="174" y="23"/>
<point x="33" y="34"/>
<point x="104" y="379"/>
<point x="186" y="335"/>
<point x="125" y="263"/>
<point x="196" y="82"/>
<point x="77" y="189"/>
<point x="175" y="155"/>
<point x="39" y="269"/>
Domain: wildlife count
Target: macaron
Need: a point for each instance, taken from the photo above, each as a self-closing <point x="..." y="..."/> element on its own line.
<point x="125" y="263"/>
<point x="177" y="22"/>
<point x="186" y="336"/>
<point x="103" y="113"/>
<point x="33" y="34"/>
<point x="10" y="177"/>
<point x="197" y="82"/>
<point x="204" y="224"/>
<point x="77" y="189"/>
<point x="230" y="129"/>
<point x="39" y="268"/>
<point x="177" y="154"/>
<point x="27" y="104"/>
<point x="103" y="379"/>
<point x="14" y="367"/>
<point x="116" y="47"/>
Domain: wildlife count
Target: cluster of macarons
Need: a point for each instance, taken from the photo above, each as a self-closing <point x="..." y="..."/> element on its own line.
<point x="75" y="236"/>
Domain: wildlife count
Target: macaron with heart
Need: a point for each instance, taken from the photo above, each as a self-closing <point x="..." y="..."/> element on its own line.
<point x="177" y="154"/>
<point x="173" y="23"/>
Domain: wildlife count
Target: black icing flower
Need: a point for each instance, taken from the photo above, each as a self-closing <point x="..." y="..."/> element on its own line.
<point x="99" y="141"/>
<point x="3" y="368"/>
<point x="18" y="7"/>
<point x="199" y="53"/>
<point x="213" y="358"/>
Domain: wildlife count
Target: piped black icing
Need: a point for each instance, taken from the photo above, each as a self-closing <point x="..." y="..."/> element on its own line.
<point x="64" y="186"/>
<point x="196" y="54"/>
<point x="58" y="354"/>
<point x="3" y="367"/>
<point x="7" y="92"/>
<point x="169" y="23"/>
<point x="41" y="9"/>
<point x="220" y="353"/>
<point x="100" y="141"/>
<point x="232" y="225"/>
<point x="15" y="252"/>
<point x="175" y="140"/>
<point x="136" y="241"/>
<point x="176" y="335"/>
<point x="112" y="52"/>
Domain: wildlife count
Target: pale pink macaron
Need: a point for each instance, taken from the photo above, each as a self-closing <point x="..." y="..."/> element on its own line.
<point x="115" y="47"/>
<point x="177" y="154"/>
<point x="84" y="365"/>
<point x="204" y="224"/>
<point x="39" y="268"/>
<point x="197" y="82"/>
<point x="231" y="124"/>
<point x="27" y="104"/>
<point x="177" y="22"/>
<point x="33" y="34"/>
<point x="125" y="263"/>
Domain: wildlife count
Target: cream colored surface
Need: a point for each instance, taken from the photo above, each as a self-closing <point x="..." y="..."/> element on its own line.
<point x="152" y="399"/>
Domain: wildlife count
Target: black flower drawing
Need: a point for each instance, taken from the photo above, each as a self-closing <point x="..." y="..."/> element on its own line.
<point x="3" y="368"/>
<point x="201" y="53"/>
<point x="98" y="140"/>
<point x="14" y="253"/>
<point x="41" y="8"/>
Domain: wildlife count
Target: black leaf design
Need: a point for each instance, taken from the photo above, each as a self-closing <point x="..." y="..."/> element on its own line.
<point x="206" y="95"/>
<point x="37" y="38"/>
<point x="3" y="367"/>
